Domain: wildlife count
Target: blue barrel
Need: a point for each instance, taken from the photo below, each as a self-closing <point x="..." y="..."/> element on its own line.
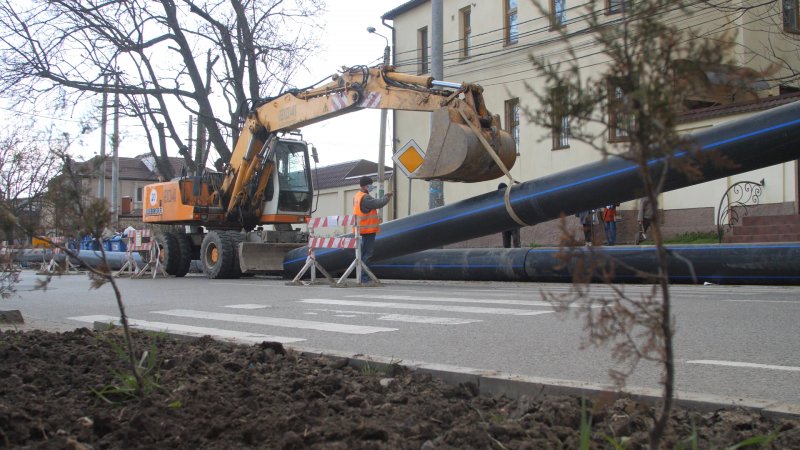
<point x="86" y="243"/>
<point x="117" y="245"/>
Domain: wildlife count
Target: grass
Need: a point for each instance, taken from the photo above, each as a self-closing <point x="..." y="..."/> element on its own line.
<point x="694" y="237"/>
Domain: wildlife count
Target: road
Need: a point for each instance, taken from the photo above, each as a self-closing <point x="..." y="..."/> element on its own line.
<point x="735" y="341"/>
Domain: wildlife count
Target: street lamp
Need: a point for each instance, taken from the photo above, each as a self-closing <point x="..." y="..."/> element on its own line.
<point x="382" y="144"/>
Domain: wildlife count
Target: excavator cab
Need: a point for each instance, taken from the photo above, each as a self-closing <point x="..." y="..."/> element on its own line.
<point x="291" y="179"/>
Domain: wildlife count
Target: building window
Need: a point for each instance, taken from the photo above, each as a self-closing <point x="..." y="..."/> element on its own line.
<point x="466" y="32"/>
<point x="139" y="191"/>
<point x="512" y="120"/>
<point x="616" y="6"/>
<point x="422" y="50"/>
<point x="621" y="119"/>
<point x="558" y="10"/>
<point x="511" y="22"/>
<point x="561" y="133"/>
<point x="791" y="16"/>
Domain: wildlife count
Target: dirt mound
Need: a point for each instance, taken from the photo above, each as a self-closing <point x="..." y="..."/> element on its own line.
<point x="211" y="394"/>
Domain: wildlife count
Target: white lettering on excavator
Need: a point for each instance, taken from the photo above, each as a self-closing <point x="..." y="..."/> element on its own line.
<point x="286" y="113"/>
<point x="153" y="211"/>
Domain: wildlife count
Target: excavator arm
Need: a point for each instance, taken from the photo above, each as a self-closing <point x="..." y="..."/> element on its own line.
<point x="455" y="151"/>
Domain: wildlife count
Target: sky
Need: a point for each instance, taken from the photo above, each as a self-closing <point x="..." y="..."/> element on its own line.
<point x="344" y="42"/>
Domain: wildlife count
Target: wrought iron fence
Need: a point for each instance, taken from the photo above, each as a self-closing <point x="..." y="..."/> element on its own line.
<point x="740" y="196"/>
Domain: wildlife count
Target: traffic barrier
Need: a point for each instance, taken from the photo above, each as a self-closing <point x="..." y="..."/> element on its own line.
<point x="52" y="267"/>
<point x="314" y="242"/>
<point x="141" y="241"/>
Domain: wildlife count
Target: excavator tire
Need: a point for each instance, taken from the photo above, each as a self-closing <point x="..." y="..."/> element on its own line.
<point x="169" y="252"/>
<point x="185" y="256"/>
<point x="236" y="238"/>
<point x="217" y="255"/>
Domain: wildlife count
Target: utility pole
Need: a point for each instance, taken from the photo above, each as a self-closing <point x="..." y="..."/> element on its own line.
<point x="101" y="184"/>
<point x="436" y="187"/>
<point x="382" y="138"/>
<point x="115" y="161"/>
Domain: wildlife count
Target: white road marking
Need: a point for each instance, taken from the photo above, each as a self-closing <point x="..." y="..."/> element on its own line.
<point x="464" y="309"/>
<point x="427" y="319"/>
<point x="276" y="321"/>
<point x="762" y="301"/>
<point x="453" y="300"/>
<point x="743" y="364"/>
<point x="350" y="316"/>
<point x="248" y="306"/>
<point x="189" y="330"/>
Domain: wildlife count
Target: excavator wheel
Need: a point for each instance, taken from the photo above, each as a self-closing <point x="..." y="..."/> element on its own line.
<point x="169" y="252"/>
<point x="236" y="238"/>
<point x="185" y="256"/>
<point x="217" y="255"/>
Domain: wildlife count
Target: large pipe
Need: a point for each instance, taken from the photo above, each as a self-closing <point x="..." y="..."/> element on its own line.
<point x="774" y="264"/>
<point x="762" y="140"/>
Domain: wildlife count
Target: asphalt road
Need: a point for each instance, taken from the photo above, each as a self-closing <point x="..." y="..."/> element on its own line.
<point x="734" y="341"/>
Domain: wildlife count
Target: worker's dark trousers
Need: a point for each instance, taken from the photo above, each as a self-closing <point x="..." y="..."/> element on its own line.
<point x="367" y="248"/>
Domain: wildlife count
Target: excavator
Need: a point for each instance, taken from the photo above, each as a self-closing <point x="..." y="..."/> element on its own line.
<point x="267" y="181"/>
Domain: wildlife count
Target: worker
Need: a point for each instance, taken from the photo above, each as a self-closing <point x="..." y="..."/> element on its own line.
<point x="510" y="237"/>
<point x="586" y="222"/>
<point x="610" y="224"/>
<point x="645" y="218"/>
<point x="365" y="208"/>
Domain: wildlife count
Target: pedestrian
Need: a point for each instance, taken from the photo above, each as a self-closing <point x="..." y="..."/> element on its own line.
<point x="510" y="237"/>
<point x="366" y="207"/>
<point x="644" y="218"/>
<point x="586" y="221"/>
<point x="610" y="224"/>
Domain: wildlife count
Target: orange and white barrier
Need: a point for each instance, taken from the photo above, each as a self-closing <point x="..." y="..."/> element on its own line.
<point x="52" y="266"/>
<point x="142" y="242"/>
<point x="320" y="242"/>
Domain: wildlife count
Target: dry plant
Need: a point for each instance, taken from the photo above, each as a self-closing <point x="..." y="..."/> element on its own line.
<point x="627" y="106"/>
<point x="72" y="209"/>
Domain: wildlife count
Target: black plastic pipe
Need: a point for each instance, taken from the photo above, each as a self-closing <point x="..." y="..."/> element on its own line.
<point x="762" y="140"/>
<point x="774" y="264"/>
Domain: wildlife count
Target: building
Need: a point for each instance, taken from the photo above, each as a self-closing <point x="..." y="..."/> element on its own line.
<point x="335" y="188"/>
<point x="490" y="43"/>
<point x="134" y="174"/>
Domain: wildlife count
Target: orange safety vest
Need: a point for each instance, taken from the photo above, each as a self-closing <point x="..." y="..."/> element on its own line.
<point x="368" y="223"/>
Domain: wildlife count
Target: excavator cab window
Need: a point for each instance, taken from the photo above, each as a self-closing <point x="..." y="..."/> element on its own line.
<point x="294" y="177"/>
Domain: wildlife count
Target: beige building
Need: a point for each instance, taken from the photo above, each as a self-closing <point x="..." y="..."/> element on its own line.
<point x="490" y="42"/>
<point x="134" y="174"/>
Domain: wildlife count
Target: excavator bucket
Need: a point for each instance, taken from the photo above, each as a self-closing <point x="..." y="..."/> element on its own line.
<point x="455" y="153"/>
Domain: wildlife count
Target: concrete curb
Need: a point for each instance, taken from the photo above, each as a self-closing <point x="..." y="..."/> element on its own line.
<point x="516" y="386"/>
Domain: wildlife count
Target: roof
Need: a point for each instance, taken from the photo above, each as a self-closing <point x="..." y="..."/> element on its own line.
<point x="407" y="6"/>
<point x="133" y="168"/>
<point x="761" y="104"/>
<point x="345" y="174"/>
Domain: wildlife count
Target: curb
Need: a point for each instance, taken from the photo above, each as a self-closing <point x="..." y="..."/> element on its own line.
<point x="490" y="382"/>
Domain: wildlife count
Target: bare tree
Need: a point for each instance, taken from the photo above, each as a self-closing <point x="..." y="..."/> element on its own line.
<point x="26" y="166"/>
<point x="167" y="59"/>
<point x="629" y="108"/>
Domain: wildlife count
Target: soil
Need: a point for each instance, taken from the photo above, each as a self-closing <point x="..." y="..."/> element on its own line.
<point x="212" y="394"/>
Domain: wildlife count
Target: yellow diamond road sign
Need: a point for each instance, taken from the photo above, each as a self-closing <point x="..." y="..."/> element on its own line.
<point x="409" y="157"/>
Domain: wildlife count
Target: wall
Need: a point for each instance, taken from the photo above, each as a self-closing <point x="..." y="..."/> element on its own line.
<point x="505" y="73"/>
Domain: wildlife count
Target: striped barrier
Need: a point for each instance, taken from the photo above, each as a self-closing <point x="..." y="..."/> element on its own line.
<point x="56" y="243"/>
<point x="141" y="241"/>
<point x="336" y="242"/>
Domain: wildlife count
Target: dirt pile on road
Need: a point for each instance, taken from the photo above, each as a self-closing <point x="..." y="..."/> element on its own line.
<point x="211" y="394"/>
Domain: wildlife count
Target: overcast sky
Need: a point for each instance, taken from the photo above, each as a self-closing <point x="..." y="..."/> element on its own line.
<point x="345" y="41"/>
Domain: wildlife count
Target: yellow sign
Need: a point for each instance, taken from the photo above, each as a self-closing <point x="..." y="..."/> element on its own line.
<point x="39" y="243"/>
<point x="409" y="157"/>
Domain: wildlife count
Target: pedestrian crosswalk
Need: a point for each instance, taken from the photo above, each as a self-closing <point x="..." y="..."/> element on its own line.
<point x="357" y="314"/>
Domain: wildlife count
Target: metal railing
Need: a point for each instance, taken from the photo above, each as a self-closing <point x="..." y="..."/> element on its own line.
<point x="740" y="196"/>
